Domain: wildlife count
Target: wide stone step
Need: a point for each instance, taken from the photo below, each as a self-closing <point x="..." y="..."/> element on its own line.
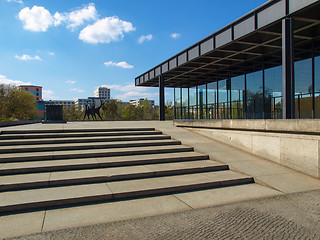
<point x="74" y="130"/>
<point x="15" y="142"/>
<point x="66" y="178"/>
<point x="74" y="154"/>
<point x="99" y="162"/>
<point x="83" y="146"/>
<point x="44" y="198"/>
<point x="76" y="134"/>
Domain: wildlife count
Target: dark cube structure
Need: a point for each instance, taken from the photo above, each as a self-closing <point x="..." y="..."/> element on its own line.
<point x="54" y="113"/>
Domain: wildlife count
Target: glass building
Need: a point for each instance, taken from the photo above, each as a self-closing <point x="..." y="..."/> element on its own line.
<point x="265" y="65"/>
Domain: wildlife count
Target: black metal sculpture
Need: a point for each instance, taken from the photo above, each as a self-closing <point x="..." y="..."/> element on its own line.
<point x="93" y="111"/>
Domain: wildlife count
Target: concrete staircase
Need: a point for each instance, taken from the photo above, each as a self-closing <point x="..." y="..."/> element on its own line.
<point x="43" y="169"/>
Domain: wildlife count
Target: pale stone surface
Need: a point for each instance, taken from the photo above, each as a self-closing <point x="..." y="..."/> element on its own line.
<point x="211" y="197"/>
<point x="260" y="168"/>
<point x="25" y="178"/>
<point x="21" y="224"/>
<point x="110" y="212"/>
<point x="155" y="183"/>
<point x="290" y="182"/>
<point x="292" y="125"/>
<point x="296" y="151"/>
<point x="267" y="147"/>
<point x="46" y="194"/>
<point x="301" y="155"/>
<point x="182" y="165"/>
<point x="78" y="174"/>
<point x="33" y="164"/>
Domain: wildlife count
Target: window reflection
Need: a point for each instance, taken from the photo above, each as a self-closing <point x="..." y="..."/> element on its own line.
<point x="303" y="88"/>
<point x="254" y="95"/>
<point x="273" y="92"/>
<point x="212" y="100"/>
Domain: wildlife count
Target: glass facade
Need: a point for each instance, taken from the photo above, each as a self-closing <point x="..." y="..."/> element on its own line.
<point x="273" y="93"/>
<point x="212" y="98"/>
<point x="303" y="88"/>
<point x="256" y="95"/>
<point x="317" y="86"/>
<point x="237" y="97"/>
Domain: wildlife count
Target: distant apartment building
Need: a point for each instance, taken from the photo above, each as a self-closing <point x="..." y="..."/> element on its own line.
<point x="64" y="103"/>
<point x="102" y="92"/>
<point x="35" y="90"/>
<point x="138" y="102"/>
<point x="96" y="101"/>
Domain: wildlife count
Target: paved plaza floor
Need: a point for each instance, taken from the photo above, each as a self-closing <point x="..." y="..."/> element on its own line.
<point x="282" y="204"/>
<point x="289" y="216"/>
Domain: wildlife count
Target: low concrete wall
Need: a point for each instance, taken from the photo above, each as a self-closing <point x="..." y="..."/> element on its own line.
<point x="294" y="150"/>
<point x="270" y="125"/>
<point x="15" y="123"/>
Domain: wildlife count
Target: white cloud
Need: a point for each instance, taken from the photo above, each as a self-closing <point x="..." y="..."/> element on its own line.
<point x="119" y="64"/>
<point x="76" y="90"/>
<point x="49" y="95"/>
<point x="175" y="35"/>
<point x="77" y="17"/>
<point x="5" y="80"/>
<point x="109" y="29"/>
<point x="71" y="81"/>
<point x="36" y="19"/>
<point x="16" y="1"/>
<point x="27" y="57"/>
<point x="51" y="53"/>
<point x="145" y="38"/>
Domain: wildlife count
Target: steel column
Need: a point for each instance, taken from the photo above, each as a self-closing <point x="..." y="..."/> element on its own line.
<point x="288" y="69"/>
<point x="161" y="99"/>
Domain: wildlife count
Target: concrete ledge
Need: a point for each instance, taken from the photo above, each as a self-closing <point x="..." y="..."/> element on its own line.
<point x="307" y="126"/>
<point x="287" y="145"/>
<point x="16" y="123"/>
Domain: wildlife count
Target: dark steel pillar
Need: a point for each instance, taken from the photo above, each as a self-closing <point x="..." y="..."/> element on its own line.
<point x="288" y="69"/>
<point x="161" y="99"/>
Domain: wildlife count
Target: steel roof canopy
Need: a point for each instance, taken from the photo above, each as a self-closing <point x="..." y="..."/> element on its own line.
<point x="248" y="44"/>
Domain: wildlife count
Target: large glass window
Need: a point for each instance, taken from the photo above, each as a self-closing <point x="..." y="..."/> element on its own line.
<point x="273" y="92"/>
<point x="317" y="86"/>
<point x="255" y="95"/>
<point x="177" y="103"/>
<point x="303" y="88"/>
<point x="223" y="96"/>
<point x="202" y="102"/>
<point x="212" y="100"/>
<point x="193" y="108"/>
<point x="185" y="104"/>
<point x="237" y="96"/>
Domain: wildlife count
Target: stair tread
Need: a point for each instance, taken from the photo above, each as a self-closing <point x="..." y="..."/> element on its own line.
<point x="114" y="188"/>
<point x="42" y="147"/>
<point x="52" y="163"/>
<point x="91" y="139"/>
<point x="104" y="172"/>
<point x="75" y="134"/>
<point x="75" y="130"/>
<point x="71" y="153"/>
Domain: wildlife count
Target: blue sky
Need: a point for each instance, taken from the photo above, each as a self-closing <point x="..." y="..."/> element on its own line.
<point x="70" y="47"/>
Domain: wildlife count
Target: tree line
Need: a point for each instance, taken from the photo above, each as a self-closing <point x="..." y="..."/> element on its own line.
<point x="21" y="105"/>
<point x="16" y="104"/>
<point x="115" y="110"/>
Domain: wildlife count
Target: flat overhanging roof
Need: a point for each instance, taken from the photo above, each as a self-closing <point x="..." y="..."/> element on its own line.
<point x="249" y="44"/>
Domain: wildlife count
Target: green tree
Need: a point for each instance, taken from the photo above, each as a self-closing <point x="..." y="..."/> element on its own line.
<point x="72" y="113"/>
<point x="109" y="110"/>
<point x="131" y="112"/>
<point x="169" y="111"/>
<point x="17" y="104"/>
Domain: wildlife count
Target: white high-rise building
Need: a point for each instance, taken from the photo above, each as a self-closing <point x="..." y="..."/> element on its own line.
<point x="102" y="92"/>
